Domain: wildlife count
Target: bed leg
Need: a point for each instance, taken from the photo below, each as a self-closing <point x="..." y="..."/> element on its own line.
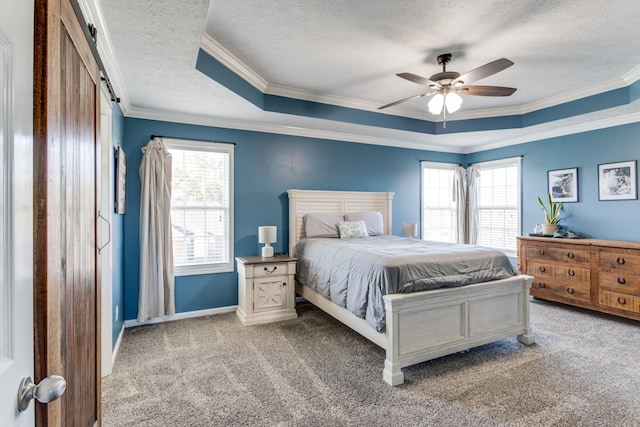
<point x="527" y="339"/>
<point x="392" y="373"/>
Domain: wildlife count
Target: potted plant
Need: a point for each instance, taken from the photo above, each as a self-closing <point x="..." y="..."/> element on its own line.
<point x="551" y="214"/>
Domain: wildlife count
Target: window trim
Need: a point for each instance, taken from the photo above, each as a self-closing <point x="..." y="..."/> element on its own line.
<point x="218" y="147"/>
<point x="425" y="164"/>
<point x="503" y="163"/>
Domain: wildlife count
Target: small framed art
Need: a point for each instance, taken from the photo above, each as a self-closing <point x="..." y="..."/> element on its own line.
<point x="121" y="176"/>
<point x="618" y="181"/>
<point x="563" y="185"/>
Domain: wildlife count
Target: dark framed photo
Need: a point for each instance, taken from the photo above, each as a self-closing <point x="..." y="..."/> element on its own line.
<point x="618" y="181"/>
<point x="563" y="185"/>
<point x="121" y="178"/>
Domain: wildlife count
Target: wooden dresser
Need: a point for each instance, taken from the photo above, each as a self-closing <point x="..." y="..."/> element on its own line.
<point x="602" y="275"/>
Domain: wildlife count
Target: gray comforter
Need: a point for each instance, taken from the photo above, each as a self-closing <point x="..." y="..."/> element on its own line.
<point x="357" y="273"/>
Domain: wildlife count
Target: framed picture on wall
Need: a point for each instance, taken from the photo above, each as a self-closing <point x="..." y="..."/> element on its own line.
<point x="121" y="176"/>
<point x="563" y="185"/>
<point x="618" y="181"/>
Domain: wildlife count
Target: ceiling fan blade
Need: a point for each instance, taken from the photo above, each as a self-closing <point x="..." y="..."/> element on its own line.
<point x="420" y="95"/>
<point x="420" y="80"/>
<point x="484" y="71"/>
<point x="486" y="90"/>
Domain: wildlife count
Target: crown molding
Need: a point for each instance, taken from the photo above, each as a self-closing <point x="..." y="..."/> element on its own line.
<point x="215" y="49"/>
<point x="245" y="125"/>
<point x="632" y="76"/>
<point x="93" y="13"/>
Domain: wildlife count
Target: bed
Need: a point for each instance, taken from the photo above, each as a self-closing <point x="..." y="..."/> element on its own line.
<point x="423" y="325"/>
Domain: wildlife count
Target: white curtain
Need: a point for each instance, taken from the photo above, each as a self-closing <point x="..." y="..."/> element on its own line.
<point x="156" y="294"/>
<point x="460" y="198"/>
<point x="472" y="204"/>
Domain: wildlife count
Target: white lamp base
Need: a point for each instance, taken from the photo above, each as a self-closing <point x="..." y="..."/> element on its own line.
<point x="267" y="251"/>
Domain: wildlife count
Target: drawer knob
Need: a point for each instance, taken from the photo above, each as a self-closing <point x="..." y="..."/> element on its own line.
<point x="622" y="301"/>
<point x="542" y="285"/>
<point x="620" y="260"/>
<point x="571" y="255"/>
<point x="541" y="251"/>
<point x="542" y="269"/>
<point x="275" y="267"/>
<point x="621" y="280"/>
<point x="571" y="273"/>
<point x="570" y="291"/>
<point x="284" y="283"/>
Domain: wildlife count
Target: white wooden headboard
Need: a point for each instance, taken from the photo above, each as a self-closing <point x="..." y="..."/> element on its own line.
<point x="302" y="202"/>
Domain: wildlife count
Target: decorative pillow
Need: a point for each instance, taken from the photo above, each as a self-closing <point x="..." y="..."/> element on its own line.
<point x="321" y="225"/>
<point x="351" y="229"/>
<point x="372" y="219"/>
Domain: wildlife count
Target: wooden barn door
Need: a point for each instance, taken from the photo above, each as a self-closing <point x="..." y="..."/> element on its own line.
<point x="66" y="159"/>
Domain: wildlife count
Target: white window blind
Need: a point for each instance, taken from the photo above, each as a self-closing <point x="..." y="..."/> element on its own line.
<point x="439" y="212"/>
<point x="201" y="206"/>
<point x="499" y="204"/>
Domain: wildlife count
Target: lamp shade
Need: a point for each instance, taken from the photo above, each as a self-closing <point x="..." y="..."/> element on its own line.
<point x="453" y="101"/>
<point x="436" y="103"/>
<point x="409" y="229"/>
<point x="267" y="233"/>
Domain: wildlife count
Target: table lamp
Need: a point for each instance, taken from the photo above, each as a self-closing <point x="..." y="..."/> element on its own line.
<point x="409" y="229"/>
<point x="267" y="234"/>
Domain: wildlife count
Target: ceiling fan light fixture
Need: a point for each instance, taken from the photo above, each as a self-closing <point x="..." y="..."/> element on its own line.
<point x="436" y="104"/>
<point x="453" y="102"/>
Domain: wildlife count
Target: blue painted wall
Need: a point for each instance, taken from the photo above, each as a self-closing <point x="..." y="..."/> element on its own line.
<point x="117" y="239"/>
<point x="266" y="166"/>
<point x="600" y="219"/>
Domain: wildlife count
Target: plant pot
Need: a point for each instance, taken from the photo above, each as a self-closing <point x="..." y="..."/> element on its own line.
<point x="549" y="228"/>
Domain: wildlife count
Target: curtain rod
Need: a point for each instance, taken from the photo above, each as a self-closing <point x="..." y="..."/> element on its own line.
<point x="191" y="139"/>
<point x="90" y="33"/>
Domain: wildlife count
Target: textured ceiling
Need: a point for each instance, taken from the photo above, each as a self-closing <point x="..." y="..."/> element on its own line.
<point x="351" y="51"/>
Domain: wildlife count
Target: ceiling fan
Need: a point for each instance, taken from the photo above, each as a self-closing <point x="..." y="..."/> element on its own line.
<point x="447" y="85"/>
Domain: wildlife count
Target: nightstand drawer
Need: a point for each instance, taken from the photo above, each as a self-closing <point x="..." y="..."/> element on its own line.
<point x="271" y="269"/>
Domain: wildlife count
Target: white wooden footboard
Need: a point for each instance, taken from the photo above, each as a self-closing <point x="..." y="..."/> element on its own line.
<point x="425" y="325"/>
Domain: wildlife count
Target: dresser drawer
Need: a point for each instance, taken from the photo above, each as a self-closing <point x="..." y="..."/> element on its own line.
<point x="620" y="281"/>
<point x="546" y="288"/>
<point x="620" y="260"/>
<point x="568" y="255"/>
<point x="567" y="273"/>
<point x="621" y="301"/>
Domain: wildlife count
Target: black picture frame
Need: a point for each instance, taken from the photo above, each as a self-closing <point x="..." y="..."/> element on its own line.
<point x="618" y="180"/>
<point x="562" y="184"/>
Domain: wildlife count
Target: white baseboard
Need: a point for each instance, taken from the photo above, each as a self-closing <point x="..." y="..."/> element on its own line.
<point x="117" y="346"/>
<point x="178" y="316"/>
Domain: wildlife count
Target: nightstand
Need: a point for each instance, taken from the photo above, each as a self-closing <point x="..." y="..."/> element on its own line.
<point x="266" y="289"/>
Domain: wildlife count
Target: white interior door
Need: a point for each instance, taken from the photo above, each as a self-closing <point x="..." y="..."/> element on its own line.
<point x="16" y="213"/>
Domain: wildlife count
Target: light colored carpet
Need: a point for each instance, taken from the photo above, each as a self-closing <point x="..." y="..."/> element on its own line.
<point x="584" y="370"/>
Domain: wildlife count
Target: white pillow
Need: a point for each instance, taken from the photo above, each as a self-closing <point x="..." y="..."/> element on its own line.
<point x="351" y="229"/>
<point x="372" y="219"/>
<point x="321" y="225"/>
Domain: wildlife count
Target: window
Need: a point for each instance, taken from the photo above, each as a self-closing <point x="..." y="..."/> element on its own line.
<point x="499" y="204"/>
<point x="439" y="212"/>
<point x="201" y="206"/>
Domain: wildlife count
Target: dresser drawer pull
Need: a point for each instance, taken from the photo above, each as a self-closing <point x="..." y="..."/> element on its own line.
<point x="571" y="273"/>
<point x="541" y="251"/>
<point x="570" y="291"/>
<point x="542" y="285"/>
<point x="275" y="267"/>
<point x="622" y="301"/>
<point x="284" y="283"/>
<point x="571" y="255"/>
<point x="621" y="280"/>
<point x="542" y="269"/>
<point x="620" y="260"/>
